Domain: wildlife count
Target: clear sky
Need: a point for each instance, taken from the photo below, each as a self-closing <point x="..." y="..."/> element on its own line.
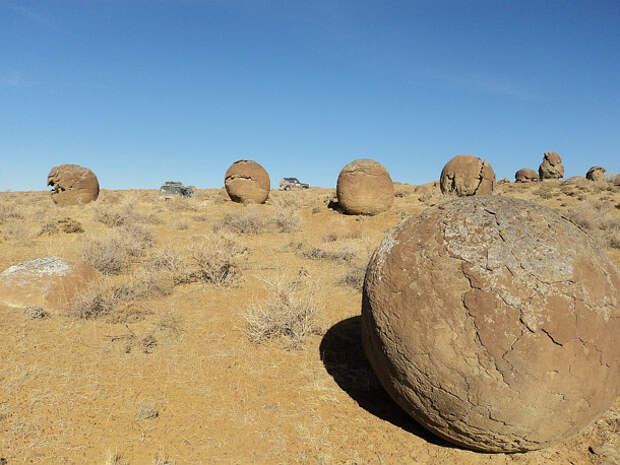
<point x="148" y="91"/>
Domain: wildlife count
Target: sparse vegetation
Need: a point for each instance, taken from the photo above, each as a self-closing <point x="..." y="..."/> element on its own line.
<point x="116" y="252"/>
<point x="251" y="220"/>
<point x="599" y="219"/>
<point x="213" y="260"/>
<point x="287" y="313"/>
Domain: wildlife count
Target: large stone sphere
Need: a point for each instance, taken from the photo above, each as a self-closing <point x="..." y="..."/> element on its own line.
<point x="364" y="187"/>
<point x="467" y="175"/>
<point x="247" y="182"/>
<point x="526" y="175"/>
<point x="494" y="323"/>
<point x="551" y="166"/>
<point x="72" y="185"/>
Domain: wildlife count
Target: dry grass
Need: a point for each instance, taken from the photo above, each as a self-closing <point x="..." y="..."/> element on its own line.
<point x="106" y="296"/>
<point x="599" y="219"/>
<point x="214" y="259"/>
<point x="115" y="253"/>
<point x="65" y="225"/>
<point x="288" y="313"/>
<point x="259" y="220"/>
<point x="9" y="212"/>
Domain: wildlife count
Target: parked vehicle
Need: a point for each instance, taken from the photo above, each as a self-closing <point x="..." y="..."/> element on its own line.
<point x="288" y="184"/>
<point x="172" y="188"/>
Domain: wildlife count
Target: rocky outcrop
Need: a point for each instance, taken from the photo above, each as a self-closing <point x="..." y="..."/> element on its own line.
<point x="551" y="166"/>
<point x="467" y="175"/>
<point x="596" y="173"/>
<point x="493" y="322"/>
<point x="364" y="187"/>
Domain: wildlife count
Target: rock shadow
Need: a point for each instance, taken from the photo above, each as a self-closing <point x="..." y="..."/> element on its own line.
<point x="344" y="359"/>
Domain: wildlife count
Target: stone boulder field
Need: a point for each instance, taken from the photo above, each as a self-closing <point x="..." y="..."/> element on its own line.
<point x="213" y="331"/>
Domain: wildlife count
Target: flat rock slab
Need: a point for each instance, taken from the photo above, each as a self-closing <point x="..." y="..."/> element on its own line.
<point x="50" y="283"/>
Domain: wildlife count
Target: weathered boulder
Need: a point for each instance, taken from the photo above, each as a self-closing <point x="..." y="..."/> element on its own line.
<point x="247" y="182"/>
<point x="364" y="187"/>
<point x="494" y="322"/>
<point x="526" y="175"/>
<point x="596" y="173"/>
<point x="72" y="185"/>
<point x="50" y="283"/>
<point x="467" y="175"/>
<point x="551" y="166"/>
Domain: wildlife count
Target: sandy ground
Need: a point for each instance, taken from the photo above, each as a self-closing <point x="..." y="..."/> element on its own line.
<point x="177" y="381"/>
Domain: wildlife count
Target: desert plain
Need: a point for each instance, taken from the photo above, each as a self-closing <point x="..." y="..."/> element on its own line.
<point x="228" y="334"/>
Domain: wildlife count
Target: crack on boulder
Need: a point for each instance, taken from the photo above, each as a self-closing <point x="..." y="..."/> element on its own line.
<point x="551" y="337"/>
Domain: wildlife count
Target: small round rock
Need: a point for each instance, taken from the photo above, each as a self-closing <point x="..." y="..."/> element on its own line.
<point x="247" y="182"/>
<point x="364" y="187"/>
<point x="526" y="175"/>
<point x="467" y="175"/>
<point x="494" y="323"/>
<point x="72" y="185"/>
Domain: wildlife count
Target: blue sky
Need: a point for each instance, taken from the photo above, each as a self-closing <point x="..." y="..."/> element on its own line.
<point x="148" y="91"/>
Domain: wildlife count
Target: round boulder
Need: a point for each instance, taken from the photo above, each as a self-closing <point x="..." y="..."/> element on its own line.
<point x="364" y="187"/>
<point x="596" y="173"/>
<point x="72" y="185"/>
<point x="526" y="175"/>
<point x="493" y="322"/>
<point x="247" y="182"/>
<point x="551" y="166"/>
<point x="467" y="175"/>
<point x="50" y="283"/>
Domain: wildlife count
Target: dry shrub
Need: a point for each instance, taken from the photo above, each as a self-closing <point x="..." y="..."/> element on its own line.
<point x="289" y="313"/>
<point x="123" y="214"/>
<point x="180" y="203"/>
<point x="345" y="253"/>
<point x="287" y="200"/>
<point x="252" y="220"/>
<point x="215" y="260"/>
<point x="354" y="278"/>
<point x="599" y="219"/>
<point x="545" y="191"/>
<point x="14" y="230"/>
<point x="107" y="296"/>
<point x="65" y="225"/>
<point x="9" y="212"/>
<point x="116" y="252"/>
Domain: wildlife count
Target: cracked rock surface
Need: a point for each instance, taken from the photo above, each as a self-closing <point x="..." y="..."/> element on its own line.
<point x="494" y="323"/>
<point x="247" y="182"/>
<point x="72" y="185"/>
<point x="467" y="175"/>
<point x="526" y="175"/>
<point x="50" y="283"/>
<point x="551" y="166"/>
<point x="365" y="187"/>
